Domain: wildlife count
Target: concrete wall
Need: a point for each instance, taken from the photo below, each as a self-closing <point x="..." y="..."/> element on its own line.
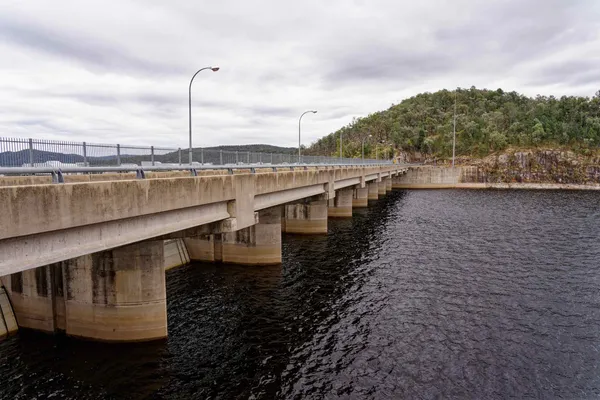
<point x="468" y="177"/>
<point x="430" y="177"/>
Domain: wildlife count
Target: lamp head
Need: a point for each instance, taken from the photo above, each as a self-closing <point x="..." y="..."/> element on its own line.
<point x="314" y="111"/>
<point x="215" y="68"/>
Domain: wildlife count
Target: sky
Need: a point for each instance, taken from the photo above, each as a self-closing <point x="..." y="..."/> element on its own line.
<point x="118" y="71"/>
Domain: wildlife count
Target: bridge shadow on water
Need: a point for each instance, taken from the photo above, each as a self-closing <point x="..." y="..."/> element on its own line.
<point x="233" y="330"/>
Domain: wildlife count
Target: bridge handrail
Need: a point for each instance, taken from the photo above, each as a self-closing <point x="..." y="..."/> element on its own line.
<point x="38" y="153"/>
<point x="183" y="167"/>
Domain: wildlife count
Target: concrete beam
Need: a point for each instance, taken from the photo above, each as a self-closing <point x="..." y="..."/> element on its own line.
<point x="272" y="199"/>
<point x="50" y="247"/>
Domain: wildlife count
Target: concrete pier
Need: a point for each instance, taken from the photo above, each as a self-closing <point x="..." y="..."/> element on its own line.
<point x="259" y="244"/>
<point x="373" y="190"/>
<point x="341" y="205"/>
<point x="31" y="297"/>
<point x="388" y="184"/>
<point x="381" y="187"/>
<point x="115" y="295"/>
<point x="360" y="197"/>
<point x="201" y="247"/>
<point x="306" y="218"/>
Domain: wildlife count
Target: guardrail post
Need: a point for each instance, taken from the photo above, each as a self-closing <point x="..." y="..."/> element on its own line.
<point x="31" y="152"/>
<point x="84" y="154"/>
<point x="152" y="155"/>
<point x="119" y="155"/>
<point x="236" y="157"/>
<point x="179" y="155"/>
<point x="221" y="157"/>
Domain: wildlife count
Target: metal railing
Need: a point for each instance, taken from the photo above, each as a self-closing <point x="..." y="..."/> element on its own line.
<point x="54" y="154"/>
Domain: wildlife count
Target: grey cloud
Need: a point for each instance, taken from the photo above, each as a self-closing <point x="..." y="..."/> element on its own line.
<point x="75" y="47"/>
<point x="570" y="72"/>
<point x="385" y="63"/>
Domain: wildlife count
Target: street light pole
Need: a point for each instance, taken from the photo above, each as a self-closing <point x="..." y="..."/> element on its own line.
<point x="454" y="131"/>
<point x="363" y="146"/>
<point x="214" y="69"/>
<point x="299" y="132"/>
<point x="341" y="150"/>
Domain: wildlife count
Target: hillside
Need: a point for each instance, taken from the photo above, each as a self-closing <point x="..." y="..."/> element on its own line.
<point x="487" y="121"/>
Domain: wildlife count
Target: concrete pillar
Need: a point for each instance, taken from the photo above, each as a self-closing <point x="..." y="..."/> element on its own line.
<point x="259" y="244"/>
<point x="115" y="295"/>
<point x="201" y="247"/>
<point x="341" y="205"/>
<point x="381" y="187"/>
<point x="388" y="184"/>
<point x="31" y="297"/>
<point x="373" y="187"/>
<point x="308" y="217"/>
<point x="360" y="197"/>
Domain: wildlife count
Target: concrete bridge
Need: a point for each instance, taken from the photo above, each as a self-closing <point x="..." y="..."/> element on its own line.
<point x="87" y="256"/>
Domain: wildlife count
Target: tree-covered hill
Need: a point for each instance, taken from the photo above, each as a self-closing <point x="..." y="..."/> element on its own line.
<point x="487" y="121"/>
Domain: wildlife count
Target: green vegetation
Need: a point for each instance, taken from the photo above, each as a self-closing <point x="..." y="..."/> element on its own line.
<point x="487" y="121"/>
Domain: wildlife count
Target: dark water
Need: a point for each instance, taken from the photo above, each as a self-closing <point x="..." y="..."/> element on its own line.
<point x="427" y="294"/>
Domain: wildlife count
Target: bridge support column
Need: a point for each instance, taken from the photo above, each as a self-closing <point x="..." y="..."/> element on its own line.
<point x="341" y="204"/>
<point x="373" y="190"/>
<point x="202" y="247"/>
<point x="381" y="189"/>
<point x="115" y="295"/>
<point x="258" y="244"/>
<point x="30" y="293"/>
<point x="309" y="217"/>
<point x="388" y="184"/>
<point x="360" y="197"/>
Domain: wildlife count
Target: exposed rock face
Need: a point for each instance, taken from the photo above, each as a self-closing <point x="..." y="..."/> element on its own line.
<point x="544" y="166"/>
<point x="532" y="166"/>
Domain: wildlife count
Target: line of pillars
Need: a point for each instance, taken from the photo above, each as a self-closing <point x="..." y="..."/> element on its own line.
<point x="120" y="294"/>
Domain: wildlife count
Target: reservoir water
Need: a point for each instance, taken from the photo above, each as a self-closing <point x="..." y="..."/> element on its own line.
<point x="424" y="295"/>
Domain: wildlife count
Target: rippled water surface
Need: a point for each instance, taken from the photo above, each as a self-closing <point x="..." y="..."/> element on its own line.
<point x="426" y="294"/>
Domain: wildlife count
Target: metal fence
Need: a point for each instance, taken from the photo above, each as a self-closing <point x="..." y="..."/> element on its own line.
<point x="18" y="152"/>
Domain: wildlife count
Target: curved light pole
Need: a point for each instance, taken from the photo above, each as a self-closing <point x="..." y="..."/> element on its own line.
<point x="299" y="134"/>
<point x="214" y="69"/>
<point x="363" y="146"/>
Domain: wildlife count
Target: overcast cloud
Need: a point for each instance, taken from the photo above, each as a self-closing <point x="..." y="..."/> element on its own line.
<point x="118" y="71"/>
